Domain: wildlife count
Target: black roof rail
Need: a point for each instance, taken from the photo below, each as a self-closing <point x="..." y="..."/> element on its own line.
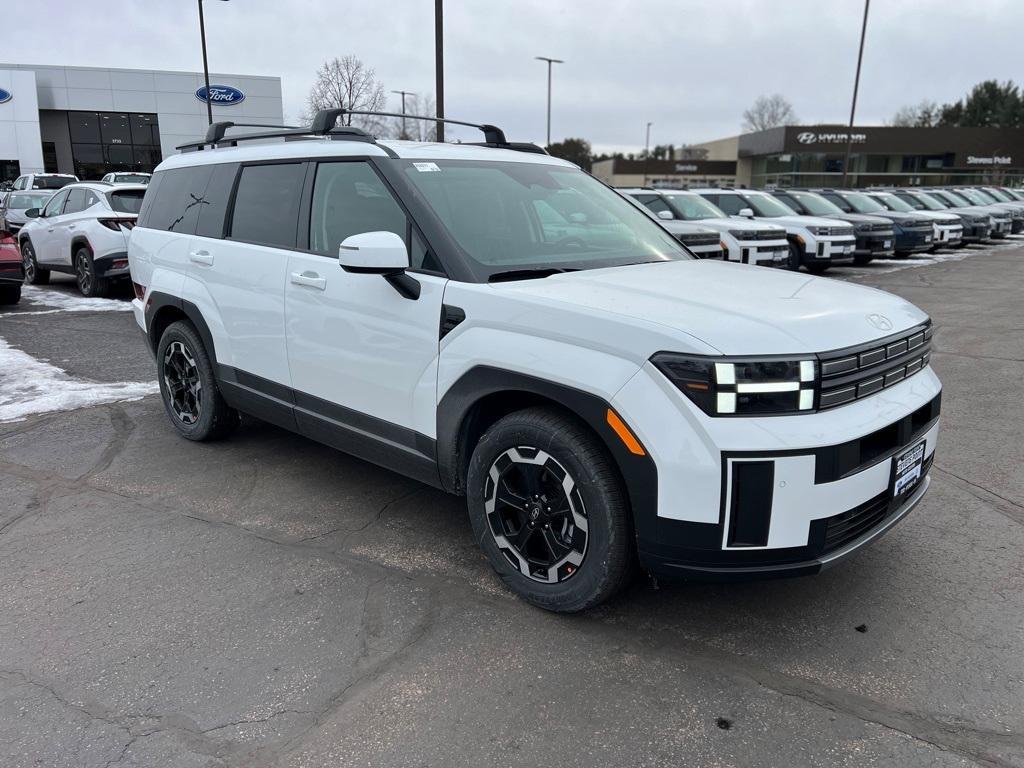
<point x="326" y="118"/>
<point x="217" y="134"/>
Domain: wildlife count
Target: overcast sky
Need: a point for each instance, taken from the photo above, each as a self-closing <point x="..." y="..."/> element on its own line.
<point x="689" y="66"/>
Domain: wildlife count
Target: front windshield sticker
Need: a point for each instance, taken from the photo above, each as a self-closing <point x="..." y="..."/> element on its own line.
<point x="426" y="167"/>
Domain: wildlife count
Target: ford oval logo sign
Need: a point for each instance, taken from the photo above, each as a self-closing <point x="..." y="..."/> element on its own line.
<point x="222" y="95"/>
<point x="5" y="96"/>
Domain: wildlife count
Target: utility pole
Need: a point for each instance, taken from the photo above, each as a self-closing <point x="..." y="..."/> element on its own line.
<point x="647" y="151"/>
<point x="439" y="65"/>
<point x="550" y="62"/>
<point x="404" y="94"/>
<point x="856" y="85"/>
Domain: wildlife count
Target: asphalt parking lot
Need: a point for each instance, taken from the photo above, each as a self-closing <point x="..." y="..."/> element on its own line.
<point x="266" y="601"/>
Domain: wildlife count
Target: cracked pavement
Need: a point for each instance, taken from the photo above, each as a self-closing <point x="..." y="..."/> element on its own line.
<point x="266" y="601"/>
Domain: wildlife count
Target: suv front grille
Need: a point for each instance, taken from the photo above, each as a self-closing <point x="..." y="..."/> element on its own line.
<point x="853" y="373"/>
<point x="881" y="227"/>
<point x="700" y="239"/>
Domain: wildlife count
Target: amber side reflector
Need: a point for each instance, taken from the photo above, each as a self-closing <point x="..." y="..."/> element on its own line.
<point x="627" y="438"/>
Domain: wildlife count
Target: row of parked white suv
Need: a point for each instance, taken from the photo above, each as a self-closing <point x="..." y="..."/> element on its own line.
<point x="497" y="323"/>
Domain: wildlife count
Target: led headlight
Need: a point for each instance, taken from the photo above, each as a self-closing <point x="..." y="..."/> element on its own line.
<point x="741" y="234"/>
<point x="819" y="230"/>
<point x="742" y="386"/>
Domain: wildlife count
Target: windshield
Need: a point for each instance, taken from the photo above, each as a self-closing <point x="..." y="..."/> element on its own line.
<point x="892" y="202"/>
<point x="999" y="195"/>
<point x="952" y="198"/>
<point x="975" y="196"/>
<point x="128" y="201"/>
<point x="528" y="216"/>
<point x="861" y="203"/>
<point x="815" y="205"/>
<point x="930" y="202"/>
<point x="131" y="178"/>
<point x="769" y="207"/>
<point x="22" y="201"/>
<point x="52" y="182"/>
<point x="694" y="207"/>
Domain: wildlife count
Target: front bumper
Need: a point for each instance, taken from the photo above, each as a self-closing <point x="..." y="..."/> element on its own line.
<point x="830" y="250"/>
<point x="1016" y="226"/>
<point x="976" y="233"/>
<point x="1001" y="228"/>
<point x="948" y="235"/>
<point x="914" y="241"/>
<point x="876" y="245"/>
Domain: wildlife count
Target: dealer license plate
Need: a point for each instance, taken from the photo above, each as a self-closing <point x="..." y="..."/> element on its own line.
<point x="847" y="249"/>
<point x="907" y="468"/>
<point x="927" y="238"/>
<point x="887" y="244"/>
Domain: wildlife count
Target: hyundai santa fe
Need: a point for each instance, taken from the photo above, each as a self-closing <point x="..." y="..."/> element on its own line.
<point x="599" y="396"/>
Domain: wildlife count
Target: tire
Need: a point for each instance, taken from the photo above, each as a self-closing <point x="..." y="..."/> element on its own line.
<point x="818" y="269"/>
<point x="188" y="387"/>
<point x="89" y="283"/>
<point x="10" y="294"/>
<point x="34" y="275"/>
<point x="579" y="566"/>
<point x="795" y="258"/>
<point x="862" y="261"/>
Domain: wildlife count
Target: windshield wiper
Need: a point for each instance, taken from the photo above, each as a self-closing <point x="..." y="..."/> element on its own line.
<point x="527" y="274"/>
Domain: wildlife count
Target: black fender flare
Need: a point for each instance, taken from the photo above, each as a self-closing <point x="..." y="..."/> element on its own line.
<point x="639" y="473"/>
<point x="158" y="301"/>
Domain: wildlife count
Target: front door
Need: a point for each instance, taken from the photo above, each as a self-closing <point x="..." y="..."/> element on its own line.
<point x="363" y="358"/>
<point x="45" y="237"/>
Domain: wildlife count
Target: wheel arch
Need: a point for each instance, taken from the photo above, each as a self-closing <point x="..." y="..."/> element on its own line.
<point x="79" y="240"/>
<point x="485" y="394"/>
<point x="162" y="309"/>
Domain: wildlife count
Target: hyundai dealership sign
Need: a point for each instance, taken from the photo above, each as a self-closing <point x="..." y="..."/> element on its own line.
<point x="5" y="96"/>
<point x="222" y="95"/>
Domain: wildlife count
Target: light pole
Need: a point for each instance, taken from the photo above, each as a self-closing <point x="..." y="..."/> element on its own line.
<point x="550" y="62"/>
<point x="403" y="94"/>
<point x="206" y="67"/>
<point x="647" y="151"/>
<point x="439" y="65"/>
<point x="856" y="85"/>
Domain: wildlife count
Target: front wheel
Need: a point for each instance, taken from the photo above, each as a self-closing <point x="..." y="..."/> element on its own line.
<point x="794" y="258"/>
<point x="33" y="274"/>
<point x="549" y="510"/>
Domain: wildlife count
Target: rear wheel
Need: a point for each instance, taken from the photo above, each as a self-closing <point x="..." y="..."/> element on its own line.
<point x="10" y="294"/>
<point x="89" y="283"/>
<point x="549" y="510"/>
<point x="188" y="386"/>
<point x="33" y="274"/>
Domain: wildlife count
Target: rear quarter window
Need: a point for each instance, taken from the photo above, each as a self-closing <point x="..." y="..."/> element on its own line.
<point x="126" y="201"/>
<point x="175" y="198"/>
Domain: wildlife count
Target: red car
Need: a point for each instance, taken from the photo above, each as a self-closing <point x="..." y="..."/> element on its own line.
<point x="12" y="274"/>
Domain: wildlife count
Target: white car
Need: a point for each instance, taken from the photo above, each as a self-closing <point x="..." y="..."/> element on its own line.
<point x="743" y="241"/>
<point x="599" y="396"/>
<point x="702" y="242"/>
<point x="83" y="231"/>
<point x="815" y="242"/>
<point x="51" y="181"/>
<point x="127" y="177"/>
<point x="947" y="228"/>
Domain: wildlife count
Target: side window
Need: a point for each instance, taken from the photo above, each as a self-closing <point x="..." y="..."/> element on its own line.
<point x="267" y="204"/>
<point x="56" y="203"/>
<point x="838" y="200"/>
<point x="91" y="198"/>
<point x="176" y="204"/>
<point x="349" y="198"/>
<point x="76" y="201"/>
<point x="20" y="183"/>
<point x="731" y="204"/>
<point x="217" y="195"/>
<point x="657" y="204"/>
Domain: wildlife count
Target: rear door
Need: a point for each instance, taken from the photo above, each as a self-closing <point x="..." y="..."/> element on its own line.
<point x="79" y="210"/>
<point x="363" y="358"/>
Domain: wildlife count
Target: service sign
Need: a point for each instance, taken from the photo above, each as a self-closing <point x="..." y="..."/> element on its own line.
<point x="221" y="95"/>
<point x="5" y="96"/>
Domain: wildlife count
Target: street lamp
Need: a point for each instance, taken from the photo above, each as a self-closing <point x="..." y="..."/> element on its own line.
<point x="206" y="67"/>
<point x="550" y="62"/>
<point x="856" y="84"/>
<point x="439" y="67"/>
<point x="403" y="95"/>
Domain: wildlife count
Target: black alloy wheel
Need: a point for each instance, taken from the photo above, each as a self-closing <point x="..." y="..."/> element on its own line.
<point x="184" y="384"/>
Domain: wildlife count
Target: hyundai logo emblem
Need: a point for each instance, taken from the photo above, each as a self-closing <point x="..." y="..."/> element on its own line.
<point x="807" y="137"/>
<point x="222" y="95"/>
<point x="881" y="322"/>
<point x="5" y="96"/>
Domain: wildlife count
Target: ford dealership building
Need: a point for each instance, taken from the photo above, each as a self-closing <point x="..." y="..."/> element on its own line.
<point x="89" y="121"/>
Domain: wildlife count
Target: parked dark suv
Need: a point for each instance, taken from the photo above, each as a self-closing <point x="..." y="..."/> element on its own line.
<point x="875" y="234"/>
<point x="914" y="233"/>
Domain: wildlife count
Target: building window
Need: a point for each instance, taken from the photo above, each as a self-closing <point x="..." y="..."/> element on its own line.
<point x="113" y="141"/>
<point x="50" y="157"/>
<point x="9" y="170"/>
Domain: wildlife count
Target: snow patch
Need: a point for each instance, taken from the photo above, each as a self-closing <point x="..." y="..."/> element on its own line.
<point x="29" y="386"/>
<point x="67" y="302"/>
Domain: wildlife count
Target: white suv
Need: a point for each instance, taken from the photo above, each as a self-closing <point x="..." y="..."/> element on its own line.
<point x="51" y="181"/>
<point x="598" y="396"/>
<point x="814" y="241"/>
<point x="127" y="177"/>
<point x="82" y="230"/>
<point x="744" y="241"/>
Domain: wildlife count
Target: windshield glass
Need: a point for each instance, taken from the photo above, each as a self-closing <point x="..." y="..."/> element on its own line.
<point x="128" y="201"/>
<point x="999" y="195"/>
<point x="769" y="207"/>
<point x="892" y="202"/>
<point x="51" y="182"/>
<point x="931" y="202"/>
<point x="22" y="201"/>
<point x="861" y="203"/>
<point x="955" y="200"/>
<point x="815" y="205"/>
<point x="974" y="196"/>
<point x="130" y="178"/>
<point x="528" y="216"/>
<point x="694" y="207"/>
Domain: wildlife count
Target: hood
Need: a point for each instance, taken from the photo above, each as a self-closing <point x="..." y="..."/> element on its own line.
<point x="744" y="224"/>
<point x="734" y="308"/>
<point x="798" y="221"/>
<point x="677" y="227"/>
<point x="861" y="218"/>
<point x="905" y="217"/>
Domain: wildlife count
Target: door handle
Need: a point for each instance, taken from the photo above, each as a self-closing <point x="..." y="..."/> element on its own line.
<point x="201" y="257"/>
<point x="309" y="279"/>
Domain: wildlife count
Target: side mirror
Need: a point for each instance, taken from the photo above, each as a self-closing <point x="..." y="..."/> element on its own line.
<point x="379" y="253"/>
<point x="747" y="213"/>
<point x="33" y="213"/>
<point x="666" y="215"/>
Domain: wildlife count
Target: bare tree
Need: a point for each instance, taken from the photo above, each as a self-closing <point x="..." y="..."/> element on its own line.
<point x="349" y="84"/>
<point x="923" y="115"/>
<point x="768" y="112"/>
<point x="415" y="130"/>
